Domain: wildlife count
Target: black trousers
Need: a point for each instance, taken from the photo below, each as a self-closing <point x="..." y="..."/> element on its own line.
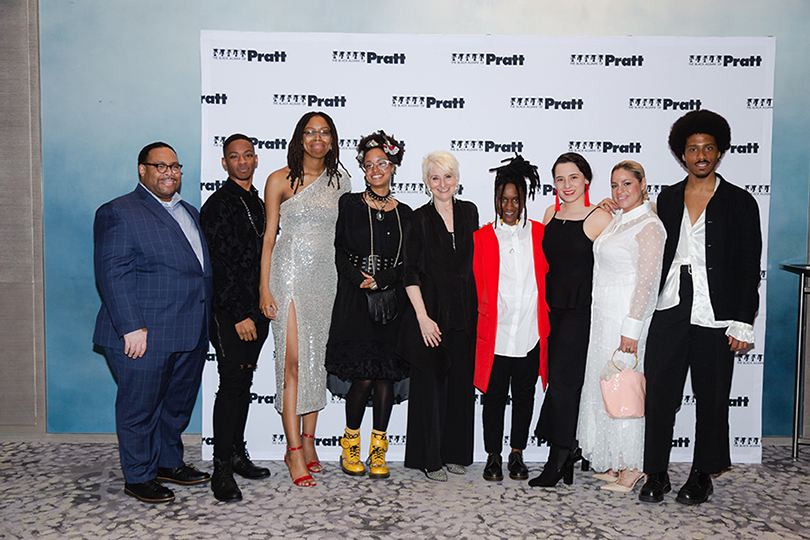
<point x="567" y="356"/>
<point x="236" y="362"/>
<point x="522" y="372"/>
<point x="673" y="346"/>
<point x="441" y="413"/>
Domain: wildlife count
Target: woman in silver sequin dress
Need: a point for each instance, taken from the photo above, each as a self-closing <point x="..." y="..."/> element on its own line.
<point x="298" y="280"/>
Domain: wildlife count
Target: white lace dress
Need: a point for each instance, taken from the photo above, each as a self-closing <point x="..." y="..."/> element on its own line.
<point x="626" y="274"/>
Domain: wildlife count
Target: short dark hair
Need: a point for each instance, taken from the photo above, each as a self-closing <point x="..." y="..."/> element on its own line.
<point x="143" y="155"/>
<point x="232" y="138"/>
<point x="701" y="121"/>
<point x="581" y="163"/>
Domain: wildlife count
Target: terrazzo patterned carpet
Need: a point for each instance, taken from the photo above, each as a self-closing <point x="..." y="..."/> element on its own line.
<point x="54" y="490"/>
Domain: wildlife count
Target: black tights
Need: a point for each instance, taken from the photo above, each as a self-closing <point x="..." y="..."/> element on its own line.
<point x="357" y="399"/>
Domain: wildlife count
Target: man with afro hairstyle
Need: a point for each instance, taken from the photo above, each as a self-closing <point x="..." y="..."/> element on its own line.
<point x="706" y="307"/>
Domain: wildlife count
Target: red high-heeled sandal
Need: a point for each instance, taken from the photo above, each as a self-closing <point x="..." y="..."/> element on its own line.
<point x="300" y="481"/>
<point x="313" y="466"/>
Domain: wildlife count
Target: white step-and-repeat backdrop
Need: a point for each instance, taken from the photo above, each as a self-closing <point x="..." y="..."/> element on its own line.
<point x="483" y="98"/>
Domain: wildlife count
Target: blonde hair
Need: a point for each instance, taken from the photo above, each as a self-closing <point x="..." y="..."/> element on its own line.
<point x="632" y="167"/>
<point x="444" y="160"/>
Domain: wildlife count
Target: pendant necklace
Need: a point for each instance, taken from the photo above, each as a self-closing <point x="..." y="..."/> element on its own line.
<point x="379" y="202"/>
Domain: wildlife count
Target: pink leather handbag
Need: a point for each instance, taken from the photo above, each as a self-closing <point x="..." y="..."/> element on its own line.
<point x="624" y="393"/>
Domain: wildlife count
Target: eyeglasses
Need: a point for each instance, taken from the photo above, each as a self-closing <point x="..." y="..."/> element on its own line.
<point x="382" y="164"/>
<point x="324" y="133"/>
<point x="161" y="167"/>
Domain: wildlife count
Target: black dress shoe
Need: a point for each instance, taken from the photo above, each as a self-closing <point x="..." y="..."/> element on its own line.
<point x="492" y="470"/>
<point x="184" y="474"/>
<point x="697" y="489"/>
<point x="517" y="469"/>
<point x="560" y="466"/>
<point x="655" y="487"/>
<point x="240" y="461"/>
<point x="222" y="483"/>
<point x="150" y="491"/>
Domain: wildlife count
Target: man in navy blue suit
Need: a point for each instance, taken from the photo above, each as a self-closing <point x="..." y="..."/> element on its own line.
<point x="154" y="275"/>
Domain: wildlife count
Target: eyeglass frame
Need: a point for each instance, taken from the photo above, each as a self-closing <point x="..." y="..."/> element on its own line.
<point x="381" y="164"/>
<point x="166" y="167"/>
<point x="325" y="133"/>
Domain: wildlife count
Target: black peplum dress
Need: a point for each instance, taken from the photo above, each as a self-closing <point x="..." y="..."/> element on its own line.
<point x="569" y="280"/>
<point x="359" y="348"/>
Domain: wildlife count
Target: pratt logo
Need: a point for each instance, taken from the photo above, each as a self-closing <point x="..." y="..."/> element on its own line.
<point x="759" y="103"/>
<point x="606" y="60"/>
<point x="487" y="59"/>
<point x="689" y="400"/>
<point x="654" y="189"/>
<point x="536" y="102"/>
<point x="485" y="146"/>
<point x="211" y="357"/>
<point x="666" y="104"/>
<point x="259" y="144"/>
<point x="278" y="438"/>
<point x="604" y="147"/>
<point x="250" y="55"/>
<point x="211" y="186"/>
<point x="368" y="57"/>
<point x="746" y="442"/>
<point x="750" y="148"/>
<point x="308" y="100"/>
<point x="724" y="60"/>
<point x="407" y="187"/>
<point x="739" y="401"/>
<point x="751" y="359"/>
<point x="680" y="442"/>
<point x="427" y="102"/>
<point x="256" y="398"/>
<point x="214" y="99"/>
<point x="758" y="189"/>
<point x="348" y="144"/>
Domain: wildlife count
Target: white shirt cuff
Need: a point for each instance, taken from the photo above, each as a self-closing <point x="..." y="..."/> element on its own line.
<point x="631" y="328"/>
<point x="741" y="331"/>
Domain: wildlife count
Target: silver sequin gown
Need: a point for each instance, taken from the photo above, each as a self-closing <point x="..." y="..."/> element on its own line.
<point x="302" y="270"/>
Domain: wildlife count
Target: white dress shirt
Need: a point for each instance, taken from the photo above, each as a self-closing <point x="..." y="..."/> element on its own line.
<point x="691" y="251"/>
<point x="517" y="332"/>
<point x="181" y="216"/>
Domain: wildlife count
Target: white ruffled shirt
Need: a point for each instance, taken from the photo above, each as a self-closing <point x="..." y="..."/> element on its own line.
<point x="691" y="251"/>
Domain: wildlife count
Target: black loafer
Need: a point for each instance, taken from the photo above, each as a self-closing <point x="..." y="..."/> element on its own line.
<point x="241" y="464"/>
<point x="493" y="471"/>
<point x="150" y="491"/>
<point x="697" y="489"/>
<point x="184" y="474"/>
<point x="655" y="487"/>
<point x="517" y="469"/>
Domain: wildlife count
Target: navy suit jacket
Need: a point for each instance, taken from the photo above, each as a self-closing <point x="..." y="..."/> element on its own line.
<point x="149" y="276"/>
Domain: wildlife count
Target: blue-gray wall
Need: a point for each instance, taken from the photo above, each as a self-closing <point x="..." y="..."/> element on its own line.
<point x="117" y="74"/>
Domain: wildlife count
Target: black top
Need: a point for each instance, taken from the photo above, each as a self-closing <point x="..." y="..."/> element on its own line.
<point x="445" y="277"/>
<point x="569" y="253"/>
<point x="233" y="222"/>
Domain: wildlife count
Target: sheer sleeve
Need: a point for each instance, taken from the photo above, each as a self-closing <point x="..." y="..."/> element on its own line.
<point x="650" y="242"/>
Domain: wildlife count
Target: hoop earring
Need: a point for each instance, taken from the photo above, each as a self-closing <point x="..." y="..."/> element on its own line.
<point x="587" y="199"/>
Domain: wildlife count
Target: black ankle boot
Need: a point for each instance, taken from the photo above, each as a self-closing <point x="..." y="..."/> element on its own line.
<point x="559" y="465"/>
<point x="241" y="464"/>
<point x="222" y="483"/>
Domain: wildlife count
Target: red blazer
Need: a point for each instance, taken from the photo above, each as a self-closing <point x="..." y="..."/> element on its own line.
<point x="486" y="269"/>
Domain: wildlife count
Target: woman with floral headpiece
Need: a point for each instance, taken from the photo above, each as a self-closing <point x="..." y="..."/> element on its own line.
<point x="510" y="275"/>
<point x="360" y="356"/>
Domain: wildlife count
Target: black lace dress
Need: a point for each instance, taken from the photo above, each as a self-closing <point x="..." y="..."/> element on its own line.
<point x="359" y="348"/>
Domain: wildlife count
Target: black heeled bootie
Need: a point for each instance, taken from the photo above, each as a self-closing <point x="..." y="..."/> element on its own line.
<point x="560" y="465"/>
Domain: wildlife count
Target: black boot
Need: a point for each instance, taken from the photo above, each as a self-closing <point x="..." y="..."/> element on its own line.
<point x="241" y="464"/>
<point x="222" y="483"/>
<point x="559" y="465"/>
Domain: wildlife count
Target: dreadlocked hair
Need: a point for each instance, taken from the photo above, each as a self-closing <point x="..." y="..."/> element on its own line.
<point x="516" y="172"/>
<point x="295" y="153"/>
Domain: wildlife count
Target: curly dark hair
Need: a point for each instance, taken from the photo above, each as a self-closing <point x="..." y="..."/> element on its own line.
<point x="701" y="121"/>
<point x="516" y="172"/>
<point x="581" y="163"/>
<point x="295" y="152"/>
<point x="393" y="149"/>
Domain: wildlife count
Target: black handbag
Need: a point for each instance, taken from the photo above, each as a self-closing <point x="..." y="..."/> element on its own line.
<point x="383" y="305"/>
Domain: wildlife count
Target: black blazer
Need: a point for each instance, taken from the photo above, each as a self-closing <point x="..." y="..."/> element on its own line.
<point x="445" y="278"/>
<point x="733" y="247"/>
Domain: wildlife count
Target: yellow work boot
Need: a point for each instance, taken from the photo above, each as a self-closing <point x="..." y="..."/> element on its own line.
<point x="376" y="455"/>
<point x="350" y="458"/>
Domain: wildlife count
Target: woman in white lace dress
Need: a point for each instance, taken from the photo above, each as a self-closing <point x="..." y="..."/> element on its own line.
<point x="627" y="271"/>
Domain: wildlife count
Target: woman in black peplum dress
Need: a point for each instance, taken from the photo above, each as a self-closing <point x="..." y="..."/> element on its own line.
<point x="572" y="225"/>
<point x="360" y="355"/>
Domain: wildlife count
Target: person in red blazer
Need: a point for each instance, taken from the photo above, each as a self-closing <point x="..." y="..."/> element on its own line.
<point x="510" y="277"/>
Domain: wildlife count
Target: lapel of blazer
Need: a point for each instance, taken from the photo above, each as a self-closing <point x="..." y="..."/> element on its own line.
<point x="163" y="215"/>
